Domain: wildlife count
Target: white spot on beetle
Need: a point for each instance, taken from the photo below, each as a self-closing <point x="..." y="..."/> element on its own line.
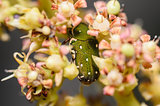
<point x="88" y="80"/>
<point x="86" y="59"/>
<point x="96" y="72"/>
<point x="73" y="56"/>
<point x="81" y="76"/>
<point x="77" y="66"/>
<point x="89" y="73"/>
<point x="72" y="51"/>
<point x="80" y="47"/>
<point x="79" y="30"/>
<point x="96" y="45"/>
<point x="73" y="40"/>
<point x="81" y="65"/>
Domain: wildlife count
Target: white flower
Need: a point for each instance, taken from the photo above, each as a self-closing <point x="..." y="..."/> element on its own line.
<point x="101" y="23"/>
<point x="66" y="9"/>
<point x="114" y="77"/>
<point x="115" y="41"/>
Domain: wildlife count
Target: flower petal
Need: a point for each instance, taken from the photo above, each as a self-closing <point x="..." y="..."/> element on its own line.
<point x="108" y="90"/>
<point x="93" y="32"/>
<point x="104" y="45"/>
<point x="75" y="20"/>
<point x="80" y="4"/>
<point x="89" y="18"/>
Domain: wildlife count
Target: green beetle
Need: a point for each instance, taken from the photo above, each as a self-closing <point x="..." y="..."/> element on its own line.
<point x="84" y="46"/>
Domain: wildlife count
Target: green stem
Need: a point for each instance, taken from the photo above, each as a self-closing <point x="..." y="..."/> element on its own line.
<point x="126" y="99"/>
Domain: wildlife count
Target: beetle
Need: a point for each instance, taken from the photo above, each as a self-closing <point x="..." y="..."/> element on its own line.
<point x="84" y="46"/>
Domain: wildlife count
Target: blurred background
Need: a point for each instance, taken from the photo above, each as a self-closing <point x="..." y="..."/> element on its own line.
<point x="148" y="11"/>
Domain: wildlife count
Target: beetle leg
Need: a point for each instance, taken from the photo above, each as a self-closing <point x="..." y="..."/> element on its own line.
<point x="72" y="40"/>
<point x="64" y="42"/>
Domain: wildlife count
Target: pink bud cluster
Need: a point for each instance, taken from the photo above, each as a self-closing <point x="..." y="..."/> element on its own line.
<point x="128" y="46"/>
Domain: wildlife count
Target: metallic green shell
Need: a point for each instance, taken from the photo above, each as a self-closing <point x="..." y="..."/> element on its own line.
<point x="84" y="47"/>
<point x="88" y="70"/>
<point x="80" y="32"/>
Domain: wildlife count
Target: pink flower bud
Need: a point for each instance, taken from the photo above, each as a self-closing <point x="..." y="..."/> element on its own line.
<point x="60" y="17"/>
<point x="80" y="4"/>
<point x="107" y="53"/>
<point x="62" y="29"/>
<point x="22" y="81"/>
<point x="116" y="30"/>
<point x="116" y="22"/>
<point x="89" y="18"/>
<point x="93" y="32"/>
<point x="112" y="17"/>
<point x="64" y="49"/>
<point x="123" y="16"/>
<point x="100" y="4"/>
<point x="158" y="53"/>
<point x="104" y="71"/>
<point x="130" y="79"/>
<point x="54" y="6"/>
<point x="131" y="63"/>
<point x="145" y="38"/>
<point x="148" y="58"/>
<point x="75" y="20"/>
<point x="46" y="43"/>
<point x="104" y="45"/>
<point x="123" y="23"/>
<point x="40" y="64"/>
<point x="25" y="44"/>
<point x="125" y="33"/>
<point x="108" y="90"/>
<point x="47" y="83"/>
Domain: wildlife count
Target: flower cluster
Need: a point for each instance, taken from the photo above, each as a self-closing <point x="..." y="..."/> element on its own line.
<point x="104" y="21"/>
<point x="151" y="79"/>
<point x="124" y="49"/>
<point x="66" y="14"/>
<point x="7" y="10"/>
<point x="52" y="65"/>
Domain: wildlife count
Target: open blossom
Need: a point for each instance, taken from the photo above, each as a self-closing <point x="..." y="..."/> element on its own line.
<point x="114" y="77"/>
<point x="26" y="22"/>
<point x="104" y="45"/>
<point x="67" y="13"/>
<point x="101" y="23"/>
<point x="66" y="9"/>
<point x="7" y="11"/>
<point x="115" y="41"/>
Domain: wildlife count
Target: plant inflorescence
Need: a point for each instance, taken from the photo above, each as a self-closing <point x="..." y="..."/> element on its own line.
<point x="105" y="48"/>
